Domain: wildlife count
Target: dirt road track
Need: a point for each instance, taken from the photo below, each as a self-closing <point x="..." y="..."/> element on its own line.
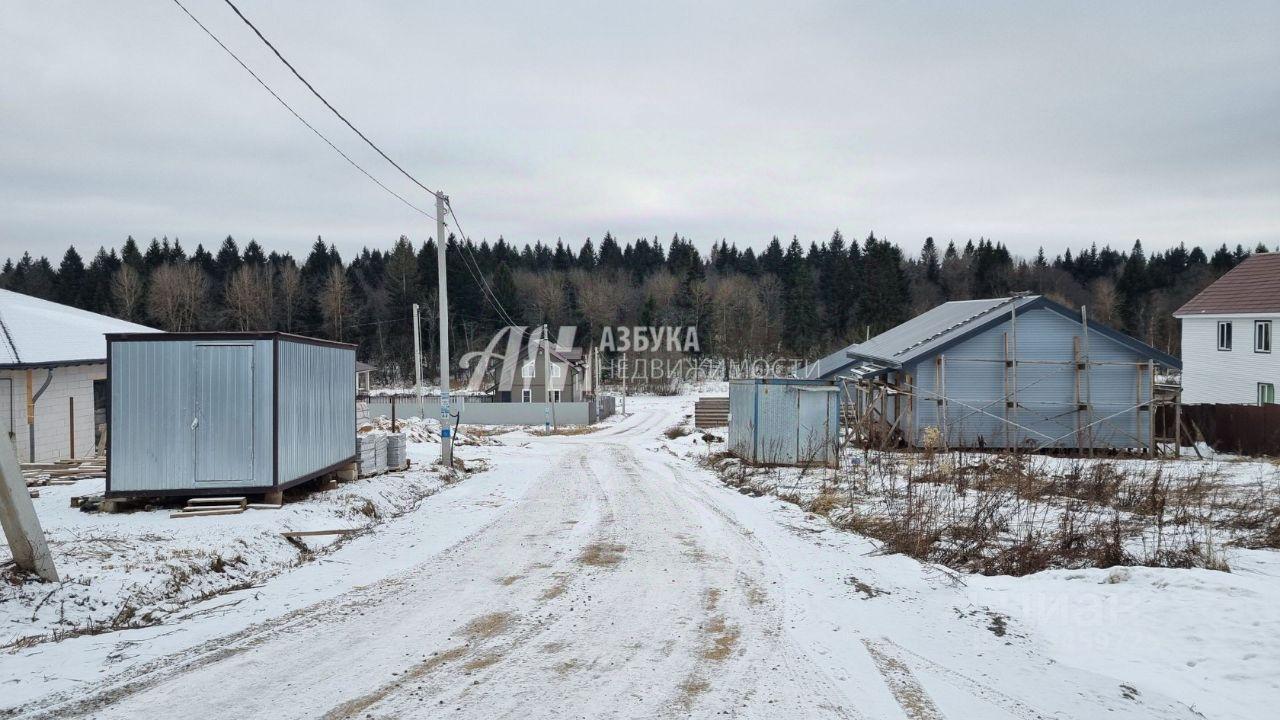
<point x="617" y="585"/>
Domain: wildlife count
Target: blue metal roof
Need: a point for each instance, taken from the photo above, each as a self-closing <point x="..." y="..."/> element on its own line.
<point x="932" y="332"/>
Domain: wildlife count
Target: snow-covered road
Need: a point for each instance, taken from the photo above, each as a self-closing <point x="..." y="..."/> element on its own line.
<point x="587" y="576"/>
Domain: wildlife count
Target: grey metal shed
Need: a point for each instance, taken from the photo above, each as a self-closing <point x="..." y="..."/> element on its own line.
<point x="207" y="413"/>
<point x="1018" y="372"/>
<point x="785" y="421"/>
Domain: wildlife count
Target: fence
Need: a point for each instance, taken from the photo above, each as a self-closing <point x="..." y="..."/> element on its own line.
<point x="1243" y="429"/>
<point x="476" y="411"/>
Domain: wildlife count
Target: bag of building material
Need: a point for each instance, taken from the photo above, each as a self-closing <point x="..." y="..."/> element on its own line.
<point x="396" y="451"/>
<point x="366" y="454"/>
<point x="380" y="453"/>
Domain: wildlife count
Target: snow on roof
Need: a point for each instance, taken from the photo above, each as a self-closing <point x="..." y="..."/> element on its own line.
<point x="40" y="332"/>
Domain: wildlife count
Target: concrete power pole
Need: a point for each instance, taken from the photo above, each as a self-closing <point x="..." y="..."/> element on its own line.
<point x="446" y="432"/>
<point x="18" y="516"/>
<point x="417" y="359"/>
<point x="546" y="372"/>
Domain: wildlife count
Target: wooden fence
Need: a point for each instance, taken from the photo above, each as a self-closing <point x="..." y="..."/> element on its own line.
<point x="1243" y="429"/>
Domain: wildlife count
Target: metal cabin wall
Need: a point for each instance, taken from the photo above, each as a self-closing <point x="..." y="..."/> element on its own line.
<point x="153" y="402"/>
<point x="317" y="407"/>
<point x="742" y="419"/>
<point x="784" y="423"/>
<point x="1046" y="393"/>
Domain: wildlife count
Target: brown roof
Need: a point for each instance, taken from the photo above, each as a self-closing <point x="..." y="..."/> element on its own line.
<point x="1253" y="286"/>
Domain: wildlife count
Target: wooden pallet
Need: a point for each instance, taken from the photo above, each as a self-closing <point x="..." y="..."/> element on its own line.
<point x="207" y="506"/>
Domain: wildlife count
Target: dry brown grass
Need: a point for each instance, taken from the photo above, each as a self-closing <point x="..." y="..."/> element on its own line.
<point x="724" y="639"/>
<point x="602" y="554"/>
<point x="488" y="625"/>
<point x="677" y="431"/>
<point x="566" y="430"/>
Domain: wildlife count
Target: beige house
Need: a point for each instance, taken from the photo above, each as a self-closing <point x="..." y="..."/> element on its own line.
<point x="53" y="376"/>
<point x="568" y="378"/>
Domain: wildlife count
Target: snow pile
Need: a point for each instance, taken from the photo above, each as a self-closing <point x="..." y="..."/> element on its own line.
<point x="419" y="430"/>
<point x="134" y="569"/>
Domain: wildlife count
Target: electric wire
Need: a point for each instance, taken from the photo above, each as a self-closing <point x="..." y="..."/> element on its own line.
<point x="327" y="104"/>
<point x="293" y="112"/>
<point x="469" y="260"/>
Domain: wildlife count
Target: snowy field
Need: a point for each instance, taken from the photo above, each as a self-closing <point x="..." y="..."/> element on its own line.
<point x="613" y="573"/>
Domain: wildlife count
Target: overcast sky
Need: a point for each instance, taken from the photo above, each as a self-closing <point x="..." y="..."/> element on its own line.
<point x="1034" y="124"/>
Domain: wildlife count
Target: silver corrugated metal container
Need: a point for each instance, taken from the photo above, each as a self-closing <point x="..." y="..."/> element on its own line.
<point x="785" y="421"/>
<point x="208" y="413"/>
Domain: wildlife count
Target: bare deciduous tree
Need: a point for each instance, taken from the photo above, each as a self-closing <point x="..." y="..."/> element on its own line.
<point x="248" y="298"/>
<point x="128" y="291"/>
<point x="288" y="293"/>
<point x="176" y="299"/>
<point x="335" y="302"/>
<point x="1103" y="300"/>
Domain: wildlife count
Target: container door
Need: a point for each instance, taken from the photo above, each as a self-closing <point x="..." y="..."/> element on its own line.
<point x="223" y="422"/>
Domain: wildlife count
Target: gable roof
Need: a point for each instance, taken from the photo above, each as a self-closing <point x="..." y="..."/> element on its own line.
<point x="1253" y="286"/>
<point x="936" y="330"/>
<point x="36" y="332"/>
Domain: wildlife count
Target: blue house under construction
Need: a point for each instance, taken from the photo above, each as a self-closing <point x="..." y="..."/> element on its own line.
<point x="1017" y="372"/>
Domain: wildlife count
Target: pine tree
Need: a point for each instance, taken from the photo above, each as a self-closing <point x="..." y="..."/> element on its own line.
<point x="71" y="288"/>
<point x="800" y="311"/>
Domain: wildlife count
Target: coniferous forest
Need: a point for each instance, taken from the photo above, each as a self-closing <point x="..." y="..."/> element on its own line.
<point x="786" y="301"/>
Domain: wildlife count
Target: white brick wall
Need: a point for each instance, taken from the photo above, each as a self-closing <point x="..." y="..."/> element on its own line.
<point x="52" y="417"/>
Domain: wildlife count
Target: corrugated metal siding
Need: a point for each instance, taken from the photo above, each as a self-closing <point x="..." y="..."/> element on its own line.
<point x="154" y="387"/>
<point x="1046" y="393"/>
<point x="784" y="423"/>
<point x="742" y="419"/>
<point x="317" y="407"/>
<point x="223" y="425"/>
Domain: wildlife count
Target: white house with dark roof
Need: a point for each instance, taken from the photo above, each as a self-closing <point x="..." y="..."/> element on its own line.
<point x="53" y="370"/>
<point x="1228" y="353"/>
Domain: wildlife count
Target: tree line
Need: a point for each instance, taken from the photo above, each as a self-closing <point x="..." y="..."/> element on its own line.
<point x="785" y="301"/>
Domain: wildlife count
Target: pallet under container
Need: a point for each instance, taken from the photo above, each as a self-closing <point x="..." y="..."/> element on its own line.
<point x="193" y="414"/>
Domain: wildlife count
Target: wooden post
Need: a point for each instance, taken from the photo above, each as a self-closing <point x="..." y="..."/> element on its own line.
<point x="1012" y="401"/>
<point x="18" y="517"/>
<point x="1075" y="361"/>
<point x="942" y="379"/>
<point x="911" y="411"/>
<point x="393" y="413"/>
<point x="1137" y="410"/>
<point x="1088" y="378"/>
<point x="1005" y="400"/>
<point x="71" y="423"/>
<point x="1151" y="404"/>
<point x="1177" y="423"/>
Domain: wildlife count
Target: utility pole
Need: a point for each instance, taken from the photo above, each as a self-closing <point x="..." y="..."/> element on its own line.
<point x="417" y="361"/>
<point x="18" y="517"/>
<point x="446" y="432"/>
<point x="546" y="385"/>
<point x="624" y="383"/>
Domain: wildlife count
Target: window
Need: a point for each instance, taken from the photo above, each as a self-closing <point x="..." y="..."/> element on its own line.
<point x="1266" y="394"/>
<point x="1224" y="335"/>
<point x="555" y="396"/>
<point x="1262" y="336"/>
<point x="527" y="370"/>
<point x="526" y="395"/>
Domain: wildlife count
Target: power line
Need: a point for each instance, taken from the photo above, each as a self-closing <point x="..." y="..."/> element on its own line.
<point x="293" y="112"/>
<point x="327" y="104"/>
<point x="473" y="268"/>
